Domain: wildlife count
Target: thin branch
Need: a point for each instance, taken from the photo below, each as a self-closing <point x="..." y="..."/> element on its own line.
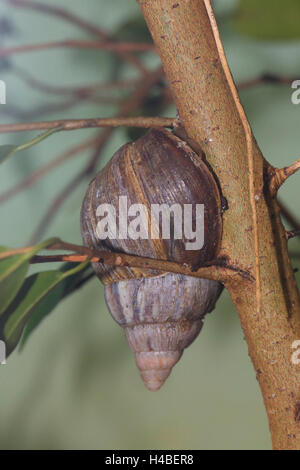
<point x="95" y="156"/>
<point x="37" y="175"/>
<point x="292" y="234"/>
<point x="60" y="199"/>
<point x="290" y="218"/>
<point x="56" y="204"/>
<point x="85" y="90"/>
<point x="129" y="105"/>
<point x="79" y="22"/>
<point x="60" y="13"/>
<point x="279" y="176"/>
<point x="79" y="44"/>
<point x="34" y="113"/>
<point x="266" y="78"/>
<point x="76" y="124"/>
<point x="215" y="271"/>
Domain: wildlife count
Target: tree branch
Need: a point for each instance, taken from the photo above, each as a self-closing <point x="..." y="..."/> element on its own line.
<point x="127" y="107"/>
<point x="287" y="214"/>
<point x="84" y="90"/>
<point x="60" y="13"/>
<point x="253" y="236"/>
<point x="266" y="78"/>
<point x="79" y="22"/>
<point x="37" y="175"/>
<point x="214" y="271"/>
<point x="79" y="44"/>
<point x="76" y="124"/>
<point x="292" y="234"/>
<point x="279" y="176"/>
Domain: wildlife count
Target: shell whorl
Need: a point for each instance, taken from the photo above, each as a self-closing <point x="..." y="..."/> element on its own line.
<point x="156" y="169"/>
<point x="162" y="313"/>
<point x="161" y="317"/>
<point x="155" y="366"/>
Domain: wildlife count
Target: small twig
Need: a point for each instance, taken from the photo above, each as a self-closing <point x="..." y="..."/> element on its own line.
<point x="89" y="89"/>
<point x="279" y="176"/>
<point x="34" y="113"/>
<point x="216" y="272"/>
<point x="103" y="139"/>
<point x="37" y="175"/>
<point x="60" y="13"/>
<point x="79" y="44"/>
<point x="56" y="204"/>
<point x="79" y="22"/>
<point x="76" y="124"/>
<point x="292" y="234"/>
<point x="266" y="78"/>
<point x="129" y="105"/>
<point x="63" y="258"/>
<point x="290" y="218"/>
<point x="60" y="199"/>
<point x="33" y="82"/>
<point x="85" y="90"/>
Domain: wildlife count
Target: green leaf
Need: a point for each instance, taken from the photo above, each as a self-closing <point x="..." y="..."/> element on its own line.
<point x="66" y="287"/>
<point x="12" y="274"/>
<point x="7" y="151"/>
<point x="13" y="271"/>
<point x="269" y="19"/>
<point x="36" y="296"/>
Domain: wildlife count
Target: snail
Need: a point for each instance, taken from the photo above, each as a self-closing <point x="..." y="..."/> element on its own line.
<point x="162" y="313"/>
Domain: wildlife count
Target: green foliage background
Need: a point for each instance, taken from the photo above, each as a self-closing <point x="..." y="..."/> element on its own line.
<point x="75" y="384"/>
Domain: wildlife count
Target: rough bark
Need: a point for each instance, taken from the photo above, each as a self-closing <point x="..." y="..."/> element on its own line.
<point x="254" y="239"/>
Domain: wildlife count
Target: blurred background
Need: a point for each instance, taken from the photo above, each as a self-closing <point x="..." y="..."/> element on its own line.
<point x="75" y="385"/>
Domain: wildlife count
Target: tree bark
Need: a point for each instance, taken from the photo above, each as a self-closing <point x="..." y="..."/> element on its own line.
<point x="254" y="240"/>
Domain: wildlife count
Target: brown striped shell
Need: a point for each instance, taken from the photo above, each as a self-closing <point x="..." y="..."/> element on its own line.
<point x="162" y="313"/>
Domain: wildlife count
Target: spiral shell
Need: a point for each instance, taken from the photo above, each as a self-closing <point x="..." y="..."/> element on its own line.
<point x="162" y="313"/>
<point x="161" y="316"/>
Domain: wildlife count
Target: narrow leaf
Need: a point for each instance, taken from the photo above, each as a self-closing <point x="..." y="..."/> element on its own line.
<point x="7" y="151"/>
<point x="12" y="275"/>
<point x="66" y="287"/>
<point x="13" y="271"/>
<point x="34" y="293"/>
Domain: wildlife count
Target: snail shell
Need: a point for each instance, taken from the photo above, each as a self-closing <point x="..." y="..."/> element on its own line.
<point x="162" y="313"/>
<point x="161" y="316"/>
